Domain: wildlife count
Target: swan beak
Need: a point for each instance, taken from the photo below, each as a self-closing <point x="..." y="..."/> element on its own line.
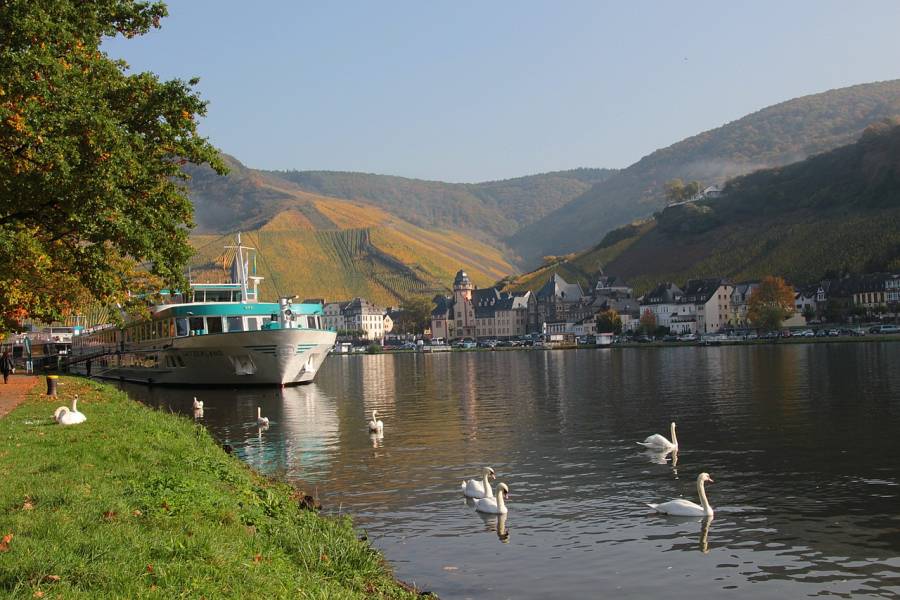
<point x="493" y="476"/>
<point x="711" y="480"/>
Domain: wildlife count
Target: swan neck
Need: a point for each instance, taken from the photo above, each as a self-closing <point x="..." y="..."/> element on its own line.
<point x="501" y="503"/>
<point x="74" y="404"/>
<point x="701" y="491"/>
<point x="373" y="415"/>
<point x="258" y="412"/>
<point x="674" y="437"/>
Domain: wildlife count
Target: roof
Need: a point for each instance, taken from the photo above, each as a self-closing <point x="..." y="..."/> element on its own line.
<point x="699" y="291"/>
<point x="558" y="287"/>
<point x="664" y="293"/>
<point x="461" y="279"/>
<point x="444" y="305"/>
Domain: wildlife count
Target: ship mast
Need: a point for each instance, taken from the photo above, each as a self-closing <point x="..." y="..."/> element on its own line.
<point x="242" y="275"/>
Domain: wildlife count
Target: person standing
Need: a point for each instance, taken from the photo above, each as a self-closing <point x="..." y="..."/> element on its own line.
<point x="6" y="365"/>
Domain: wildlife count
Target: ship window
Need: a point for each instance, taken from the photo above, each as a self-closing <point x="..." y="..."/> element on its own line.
<point x="235" y="324"/>
<point x="252" y="324"/>
<point x="311" y="322"/>
<point x="196" y="323"/>
<point x="181" y="327"/>
<point x="218" y="296"/>
<point x="214" y="324"/>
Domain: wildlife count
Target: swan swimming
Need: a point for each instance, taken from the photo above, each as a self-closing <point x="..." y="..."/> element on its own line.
<point x="494" y="506"/>
<point x="198" y="404"/>
<point x="65" y="416"/>
<point x="479" y="489"/>
<point x="660" y="442"/>
<point x="261" y="420"/>
<point x="686" y="508"/>
<point x="376" y="424"/>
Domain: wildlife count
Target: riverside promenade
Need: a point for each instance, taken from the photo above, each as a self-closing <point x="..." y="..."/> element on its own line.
<point x="13" y="393"/>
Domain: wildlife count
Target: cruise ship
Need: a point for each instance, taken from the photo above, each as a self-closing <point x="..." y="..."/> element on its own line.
<point x="216" y="334"/>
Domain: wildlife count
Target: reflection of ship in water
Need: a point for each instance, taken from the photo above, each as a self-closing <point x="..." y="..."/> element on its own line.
<point x="301" y="440"/>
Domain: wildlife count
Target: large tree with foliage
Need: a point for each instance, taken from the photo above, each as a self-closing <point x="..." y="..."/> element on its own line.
<point x="648" y="322"/>
<point x="414" y="316"/>
<point x="91" y="203"/>
<point x="609" y="321"/>
<point x="770" y="303"/>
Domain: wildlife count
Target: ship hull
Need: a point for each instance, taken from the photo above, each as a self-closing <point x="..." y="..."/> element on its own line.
<point x="277" y="357"/>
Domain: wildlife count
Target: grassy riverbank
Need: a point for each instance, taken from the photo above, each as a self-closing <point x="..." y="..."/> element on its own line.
<point x="137" y="503"/>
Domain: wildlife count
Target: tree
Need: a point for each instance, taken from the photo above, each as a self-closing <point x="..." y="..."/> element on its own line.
<point x="771" y="303"/>
<point x="674" y="190"/>
<point x="809" y="313"/>
<point x="91" y="199"/>
<point x="609" y="321"/>
<point x="648" y="322"/>
<point x="414" y="316"/>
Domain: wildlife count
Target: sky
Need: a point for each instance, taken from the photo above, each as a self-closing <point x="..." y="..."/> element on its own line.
<point x="474" y="91"/>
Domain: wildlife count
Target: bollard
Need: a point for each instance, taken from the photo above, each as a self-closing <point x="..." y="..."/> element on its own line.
<point x="51" y="384"/>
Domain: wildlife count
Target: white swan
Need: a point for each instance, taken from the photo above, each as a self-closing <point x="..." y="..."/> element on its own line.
<point x="261" y="420"/>
<point x="375" y="424"/>
<point x="686" y="508"/>
<point x="479" y="489"/>
<point x="198" y="404"/>
<point x="64" y="416"/>
<point x="659" y="442"/>
<point x="494" y="506"/>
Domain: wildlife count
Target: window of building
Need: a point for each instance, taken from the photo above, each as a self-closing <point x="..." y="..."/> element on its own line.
<point x="196" y="323"/>
<point x="181" y="327"/>
<point x="235" y="323"/>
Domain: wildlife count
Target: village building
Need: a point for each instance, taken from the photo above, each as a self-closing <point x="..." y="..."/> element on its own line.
<point x="703" y="306"/>
<point x="487" y="313"/>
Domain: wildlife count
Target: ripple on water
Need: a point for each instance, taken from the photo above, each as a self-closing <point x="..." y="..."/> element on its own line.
<point x="798" y="439"/>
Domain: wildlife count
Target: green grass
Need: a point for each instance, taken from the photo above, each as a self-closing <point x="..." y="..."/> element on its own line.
<point x="138" y="503"/>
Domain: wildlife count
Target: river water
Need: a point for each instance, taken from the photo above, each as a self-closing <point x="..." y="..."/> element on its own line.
<point x="803" y="442"/>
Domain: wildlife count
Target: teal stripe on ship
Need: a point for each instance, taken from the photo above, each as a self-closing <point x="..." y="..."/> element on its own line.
<point x="232" y="309"/>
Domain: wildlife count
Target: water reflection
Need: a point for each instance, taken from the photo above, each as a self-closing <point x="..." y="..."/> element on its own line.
<point x="804" y="432"/>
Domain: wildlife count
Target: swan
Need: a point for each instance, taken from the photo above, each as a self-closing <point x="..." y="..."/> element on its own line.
<point x="198" y="404"/>
<point x="261" y="420"/>
<point x="479" y="489"/>
<point x="686" y="508"/>
<point x="374" y="424"/>
<point x="659" y="442"/>
<point x="65" y="416"/>
<point x="494" y="506"/>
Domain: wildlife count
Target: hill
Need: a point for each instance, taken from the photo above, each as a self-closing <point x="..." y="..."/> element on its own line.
<point x="318" y="246"/>
<point x="775" y="136"/>
<point x="836" y="211"/>
<point x="490" y="211"/>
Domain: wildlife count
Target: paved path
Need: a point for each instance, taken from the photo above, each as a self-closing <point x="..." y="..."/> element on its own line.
<point x="12" y="393"/>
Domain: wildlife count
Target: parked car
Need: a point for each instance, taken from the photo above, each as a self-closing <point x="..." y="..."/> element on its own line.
<point x="806" y="333"/>
<point x="643" y="339"/>
<point x="834" y="332"/>
<point x="688" y="337"/>
<point x="880" y="329"/>
<point x="670" y="338"/>
<point x="822" y="333"/>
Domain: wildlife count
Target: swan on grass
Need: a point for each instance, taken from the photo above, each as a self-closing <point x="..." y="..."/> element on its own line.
<point x="66" y="416"/>
<point x="376" y="425"/>
<point x="198" y="404"/>
<point x="261" y="420"/>
<point x="659" y="442"/>
<point x="686" y="508"/>
<point x="494" y="506"/>
<point x="474" y="488"/>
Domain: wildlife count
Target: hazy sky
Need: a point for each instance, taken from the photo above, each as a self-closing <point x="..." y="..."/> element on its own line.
<point x="471" y="91"/>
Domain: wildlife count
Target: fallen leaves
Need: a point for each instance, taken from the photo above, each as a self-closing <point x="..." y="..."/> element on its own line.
<point x="4" y="543"/>
<point x="110" y="515"/>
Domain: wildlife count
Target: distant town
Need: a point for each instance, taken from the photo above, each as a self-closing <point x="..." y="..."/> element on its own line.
<point x="564" y="311"/>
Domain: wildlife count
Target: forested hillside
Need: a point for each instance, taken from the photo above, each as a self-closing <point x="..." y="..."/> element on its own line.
<point x="491" y="210"/>
<point x="837" y="211"/>
<point x="777" y="135"/>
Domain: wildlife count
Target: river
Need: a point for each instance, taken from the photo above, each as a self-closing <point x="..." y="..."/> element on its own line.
<point x="803" y="442"/>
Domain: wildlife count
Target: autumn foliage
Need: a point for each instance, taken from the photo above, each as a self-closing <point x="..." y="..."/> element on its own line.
<point x="90" y="158"/>
<point x="771" y="303"/>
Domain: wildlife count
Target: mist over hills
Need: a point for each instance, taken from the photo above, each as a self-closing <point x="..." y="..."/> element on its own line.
<point x="837" y="211"/>
<point x="777" y="135"/>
